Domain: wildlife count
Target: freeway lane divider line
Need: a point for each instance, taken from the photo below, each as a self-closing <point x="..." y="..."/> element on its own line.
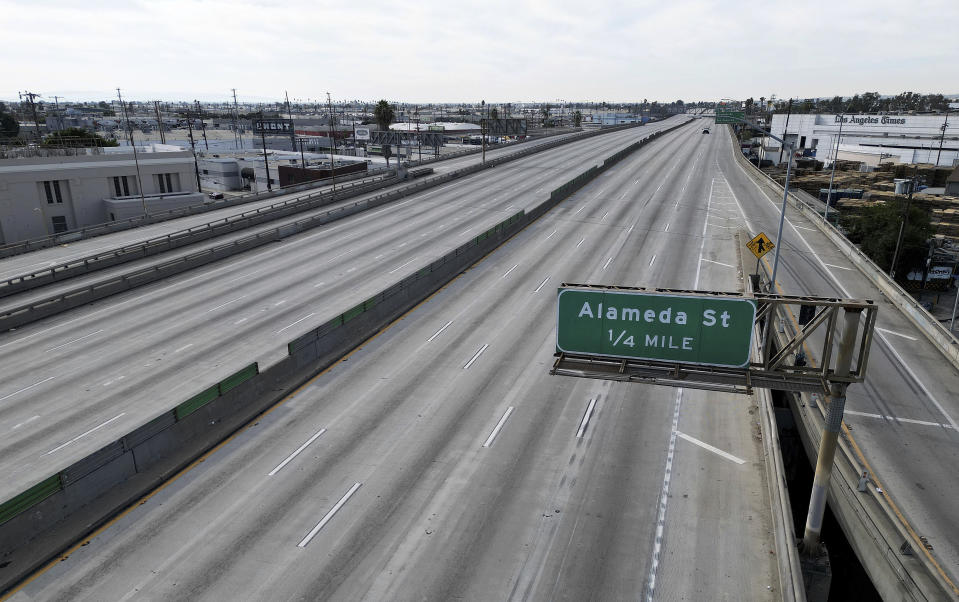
<point x="897" y="419"/>
<point x="580" y="242"/>
<point x="73" y="341"/>
<point x="475" y="356"/>
<point x="289" y="458"/>
<point x="709" y="447"/>
<point x="651" y="261"/>
<point x="24" y="423"/>
<point x="499" y="425"/>
<point x="586" y="417"/>
<point x="407" y="263"/>
<point x="329" y="515"/>
<point x="309" y="315"/>
<point x="347" y="252"/>
<point x="27" y="388"/>
<point x="184" y="348"/>
<point x="509" y="270"/>
<point x="78" y="437"/>
<point x="437" y="333"/>
<point x="542" y="284"/>
<point x="663" y="499"/>
<point x="551" y="235"/>
<point x="666" y="229"/>
<point x="838" y="267"/>
<point x="898" y="334"/>
<point x="225" y="304"/>
<point x="606" y="265"/>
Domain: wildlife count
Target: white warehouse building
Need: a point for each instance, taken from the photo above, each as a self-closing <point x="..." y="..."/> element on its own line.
<point x="52" y="194"/>
<point x="868" y="138"/>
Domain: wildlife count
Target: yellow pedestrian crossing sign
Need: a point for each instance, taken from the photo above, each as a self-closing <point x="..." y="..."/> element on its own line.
<point x="760" y="245"/>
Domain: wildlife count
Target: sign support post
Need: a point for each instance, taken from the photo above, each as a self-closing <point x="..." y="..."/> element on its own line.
<point x="827" y="444"/>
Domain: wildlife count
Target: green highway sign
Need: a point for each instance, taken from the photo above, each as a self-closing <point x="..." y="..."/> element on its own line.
<point x="686" y="328"/>
<point x="723" y="116"/>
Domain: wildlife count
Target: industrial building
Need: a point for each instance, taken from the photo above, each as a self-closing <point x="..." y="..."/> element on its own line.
<point x="870" y="139"/>
<point x="49" y="194"/>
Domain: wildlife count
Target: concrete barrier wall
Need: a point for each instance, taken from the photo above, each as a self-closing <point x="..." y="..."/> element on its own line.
<point x="938" y="334"/>
<point x="42" y="522"/>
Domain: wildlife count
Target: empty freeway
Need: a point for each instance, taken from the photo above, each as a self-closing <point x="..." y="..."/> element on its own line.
<point x="440" y="460"/>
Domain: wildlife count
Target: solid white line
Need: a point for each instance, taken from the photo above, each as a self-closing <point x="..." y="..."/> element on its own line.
<point x="702" y="245"/>
<point x="27" y="388"/>
<point x="717" y="262"/>
<point x="551" y="235"/>
<point x="838" y="267"/>
<point x="224" y="304"/>
<point x="73" y="341"/>
<point x="606" y="265"/>
<point x="295" y="323"/>
<point x="580" y="242"/>
<point x="897" y="419"/>
<point x="437" y="333"/>
<point x="404" y="265"/>
<point x="499" y="425"/>
<point x="586" y="417"/>
<point x="187" y="346"/>
<point x="329" y="515"/>
<point x="709" y="447"/>
<point x="541" y="285"/>
<point x="475" y="356"/>
<point x="898" y="334"/>
<point x="289" y="458"/>
<point x="509" y="270"/>
<point x="98" y="427"/>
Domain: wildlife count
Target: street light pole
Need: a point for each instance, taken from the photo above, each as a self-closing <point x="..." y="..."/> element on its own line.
<point x="903" y="224"/>
<point x="842" y="119"/>
<point x="942" y="137"/>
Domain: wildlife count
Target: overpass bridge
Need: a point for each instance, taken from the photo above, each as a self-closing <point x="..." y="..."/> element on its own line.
<point x="439" y="459"/>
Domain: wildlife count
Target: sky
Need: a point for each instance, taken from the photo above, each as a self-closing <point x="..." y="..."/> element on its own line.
<point x="457" y="51"/>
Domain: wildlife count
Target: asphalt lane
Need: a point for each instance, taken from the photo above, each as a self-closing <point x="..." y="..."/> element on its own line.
<point x="442" y="461"/>
<point x="79" y="380"/>
<point x="43" y="258"/>
<point x="904" y="417"/>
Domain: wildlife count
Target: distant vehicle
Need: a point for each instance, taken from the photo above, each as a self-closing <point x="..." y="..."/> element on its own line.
<point x="705" y="130"/>
<point x="216" y="195"/>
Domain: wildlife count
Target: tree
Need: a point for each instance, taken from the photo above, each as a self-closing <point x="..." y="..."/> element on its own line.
<point x="577" y="118"/>
<point x="9" y="128"/>
<point x="384" y="114"/>
<point x="77" y="137"/>
<point x="876" y="230"/>
<point x="493" y="113"/>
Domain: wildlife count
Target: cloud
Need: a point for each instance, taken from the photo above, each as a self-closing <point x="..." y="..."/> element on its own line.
<point x="499" y="51"/>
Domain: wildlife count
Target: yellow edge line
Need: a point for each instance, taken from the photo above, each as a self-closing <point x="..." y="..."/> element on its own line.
<point x="867" y="466"/>
<point x="248" y="425"/>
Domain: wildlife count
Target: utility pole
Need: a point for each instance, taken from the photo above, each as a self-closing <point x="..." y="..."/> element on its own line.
<point x="60" y="124"/>
<point x="199" y="112"/>
<point x="842" y="119"/>
<point x="266" y="162"/>
<point x="136" y="160"/>
<point x="483" y="129"/>
<point x="942" y="137"/>
<point x="903" y="224"/>
<point x="783" y="146"/>
<point x="156" y="108"/>
<point x="289" y="112"/>
<point x="329" y="104"/>
<point x="33" y="109"/>
<point x="196" y="167"/>
<point x="236" y="118"/>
